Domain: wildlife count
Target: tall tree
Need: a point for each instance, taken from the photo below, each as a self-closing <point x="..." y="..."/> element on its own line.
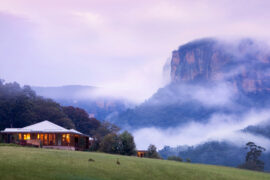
<point x="127" y="144"/>
<point x="252" y="157"/>
<point x="110" y="144"/>
<point x="152" y="152"/>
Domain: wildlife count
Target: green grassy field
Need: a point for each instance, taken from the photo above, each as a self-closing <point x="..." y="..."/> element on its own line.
<point x="32" y="163"/>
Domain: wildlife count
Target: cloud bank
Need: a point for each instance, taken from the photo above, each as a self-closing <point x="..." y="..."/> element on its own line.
<point x="220" y="127"/>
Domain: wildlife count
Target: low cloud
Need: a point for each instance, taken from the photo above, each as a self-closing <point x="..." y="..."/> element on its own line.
<point x="216" y="94"/>
<point x="220" y="127"/>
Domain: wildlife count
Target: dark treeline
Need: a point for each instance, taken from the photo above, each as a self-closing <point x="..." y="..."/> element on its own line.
<point x="20" y="107"/>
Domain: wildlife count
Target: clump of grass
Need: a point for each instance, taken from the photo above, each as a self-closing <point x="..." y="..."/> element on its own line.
<point x="91" y="160"/>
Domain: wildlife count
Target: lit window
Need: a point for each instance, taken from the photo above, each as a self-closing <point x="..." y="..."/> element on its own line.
<point x="38" y="137"/>
<point x="26" y="137"/>
<point x="68" y="138"/>
<point x="20" y="136"/>
<point x="63" y="138"/>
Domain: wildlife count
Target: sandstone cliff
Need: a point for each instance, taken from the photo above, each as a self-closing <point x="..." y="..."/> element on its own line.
<point x="243" y="64"/>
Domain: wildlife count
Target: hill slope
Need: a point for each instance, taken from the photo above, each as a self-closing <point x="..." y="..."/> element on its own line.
<point x="31" y="163"/>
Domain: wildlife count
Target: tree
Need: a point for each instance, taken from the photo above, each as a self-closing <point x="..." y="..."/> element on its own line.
<point x="110" y="144"/>
<point x="104" y="129"/>
<point x="152" y="152"/>
<point x="118" y="144"/>
<point x="252" y="157"/>
<point x="81" y="119"/>
<point x="127" y="144"/>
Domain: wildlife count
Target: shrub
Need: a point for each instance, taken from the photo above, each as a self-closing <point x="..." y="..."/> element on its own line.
<point x="175" y="158"/>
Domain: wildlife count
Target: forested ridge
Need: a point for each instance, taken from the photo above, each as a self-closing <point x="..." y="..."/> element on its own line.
<point x="21" y="106"/>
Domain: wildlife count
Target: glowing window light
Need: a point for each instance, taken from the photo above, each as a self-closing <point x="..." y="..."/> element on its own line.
<point x="63" y="137"/>
<point x="26" y="137"/>
<point x="68" y="138"/>
<point x="38" y="137"/>
<point x="20" y="136"/>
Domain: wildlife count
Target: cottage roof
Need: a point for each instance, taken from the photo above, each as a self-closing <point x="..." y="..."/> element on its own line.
<point x="42" y="127"/>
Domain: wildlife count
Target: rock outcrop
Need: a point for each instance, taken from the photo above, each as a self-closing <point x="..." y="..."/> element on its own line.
<point x="243" y="64"/>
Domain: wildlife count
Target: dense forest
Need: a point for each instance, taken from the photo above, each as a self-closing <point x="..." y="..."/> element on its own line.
<point x="20" y="106"/>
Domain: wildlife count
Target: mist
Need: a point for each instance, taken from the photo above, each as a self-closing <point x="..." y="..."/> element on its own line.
<point x="220" y="127"/>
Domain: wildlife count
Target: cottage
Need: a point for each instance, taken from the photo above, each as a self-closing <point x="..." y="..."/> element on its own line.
<point x="141" y="153"/>
<point x="47" y="135"/>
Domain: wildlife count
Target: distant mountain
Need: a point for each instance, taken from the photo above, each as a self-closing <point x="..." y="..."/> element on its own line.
<point x="261" y="130"/>
<point x="208" y="76"/>
<point x="74" y="92"/>
<point x="84" y="97"/>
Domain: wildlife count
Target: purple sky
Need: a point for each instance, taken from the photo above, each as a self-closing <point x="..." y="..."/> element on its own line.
<point x="116" y="44"/>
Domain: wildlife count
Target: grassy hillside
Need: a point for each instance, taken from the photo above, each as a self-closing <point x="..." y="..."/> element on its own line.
<point x="31" y="163"/>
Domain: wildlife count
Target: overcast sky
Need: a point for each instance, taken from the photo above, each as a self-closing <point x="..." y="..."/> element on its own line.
<point x="121" y="45"/>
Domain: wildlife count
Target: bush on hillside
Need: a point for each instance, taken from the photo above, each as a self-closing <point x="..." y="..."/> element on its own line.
<point x="175" y="158"/>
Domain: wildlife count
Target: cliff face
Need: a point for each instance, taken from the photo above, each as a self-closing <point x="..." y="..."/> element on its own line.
<point x="208" y="77"/>
<point x="243" y="64"/>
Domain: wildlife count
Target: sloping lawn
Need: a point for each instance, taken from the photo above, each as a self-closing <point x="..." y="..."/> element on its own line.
<point x="33" y="163"/>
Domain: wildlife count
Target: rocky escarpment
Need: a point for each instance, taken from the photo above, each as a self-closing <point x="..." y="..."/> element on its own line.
<point x="243" y="64"/>
<point x="208" y="77"/>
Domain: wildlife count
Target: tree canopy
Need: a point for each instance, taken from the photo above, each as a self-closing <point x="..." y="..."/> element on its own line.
<point x="20" y="106"/>
<point x="252" y="157"/>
